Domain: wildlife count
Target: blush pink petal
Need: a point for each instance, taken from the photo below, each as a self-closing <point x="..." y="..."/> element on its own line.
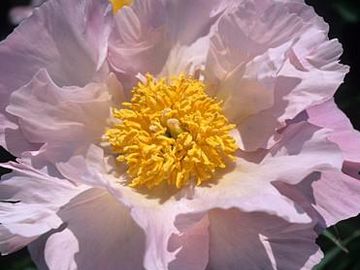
<point x="246" y="53"/>
<point x="149" y="34"/>
<point x="47" y="252"/>
<point x="191" y="243"/>
<point x="246" y="187"/>
<point x="68" y="121"/>
<point x="181" y="237"/>
<point x="256" y="240"/>
<point x="70" y="47"/>
<point x="88" y="166"/>
<point x="329" y="116"/>
<point x="11" y="137"/>
<point x="20" y="13"/>
<point x="29" y="201"/>
<point x="97" y="232"/>
<point x="137" y="41"/>
<point x="179" y="240"/>
<point x="10" y="242"/>
<point x="48" y="113"/>
<point x="296" y="53"/>
<point x="170" y="243"/>
<point x="263" y="58"/>
<point x="299" y="150"/>
<point x="328" y="197"/>
<point x="291" y="160"/>
<point x="331" y="195"/>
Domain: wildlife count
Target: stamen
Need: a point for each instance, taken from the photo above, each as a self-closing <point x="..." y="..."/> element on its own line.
<point x="174" y="128"/>
<point x="118" y="4"/>
<point x="171" y="132"/>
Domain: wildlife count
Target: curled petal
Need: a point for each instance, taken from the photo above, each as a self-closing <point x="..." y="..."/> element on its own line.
<point x="19" y="14"/>
<point x="321" y="194"/>
<point x="235" y="236"/>
<point x="191" y="243"/>
<point x="29" y="201"/>
<point x="49" y="113"/>
<point x="72" y="48"/>
<point x="289" y="54"/>
<point x="180" y="240"/>
<point x="329" y="116"/>
<point x="66" y="120"/>
<point x="98" y="231"/>
<point x="151" y="35"/>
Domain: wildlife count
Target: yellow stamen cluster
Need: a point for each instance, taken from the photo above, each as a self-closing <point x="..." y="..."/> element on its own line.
<point x="118" y="4"/>
<point x="172" y="132"/>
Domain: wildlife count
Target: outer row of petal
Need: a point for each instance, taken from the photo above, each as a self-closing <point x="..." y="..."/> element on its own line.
<point x="166" y="244"/>
<point x="70" y="47"/>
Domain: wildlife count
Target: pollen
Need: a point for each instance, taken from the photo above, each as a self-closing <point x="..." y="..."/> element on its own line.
<point x="118" y="4"/>
<point x="171" y="132"/>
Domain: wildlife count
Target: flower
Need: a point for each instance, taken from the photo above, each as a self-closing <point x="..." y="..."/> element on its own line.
<point x="229" y="103"/>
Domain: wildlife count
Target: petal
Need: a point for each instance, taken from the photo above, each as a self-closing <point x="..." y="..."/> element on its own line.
<point x="235" y="235"/>
<point x="328" y="115"/>
<point x="10" y="242"/>
<point x="176" y="236"/>
<point x="49" y="113"/>
<point x="173" y="240"/>
<point x="11" y="137"/>
<point x="246" y="187"/>
<point x="248" y="184"/>
<point x="193" y="242"/>
<point x="98" y="231"/>
<point x="87" y="166"/>
<point x="189" y="20"/>
<point x="68" y="40"/>
<point x="29" y="200"/>
<point x="19" y="14"/>
<point x="186" y="59"/>
<point x="298" y="153"/>
<point x="295" y="91"/>
<point x="332" y="195"/>
<point x="137" y="43"/>
<point x="68" y="119"/>
<point x="48" y="250"/>
<point x="296" y="52"/>
<point x="150" y="37"/>
<point x="246" y="54"/>
<point x="328" y="197"/>
<point x="324" y="65"/>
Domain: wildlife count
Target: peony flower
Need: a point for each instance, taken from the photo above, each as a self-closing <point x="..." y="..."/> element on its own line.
<point x="174" y="134"/>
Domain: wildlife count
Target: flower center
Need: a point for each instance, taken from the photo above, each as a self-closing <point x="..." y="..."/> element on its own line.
<point x="171" y="132"/>
<point x="118" y="4"/>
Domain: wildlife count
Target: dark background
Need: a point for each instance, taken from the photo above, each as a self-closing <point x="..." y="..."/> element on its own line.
<point x="341" y="243"/>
